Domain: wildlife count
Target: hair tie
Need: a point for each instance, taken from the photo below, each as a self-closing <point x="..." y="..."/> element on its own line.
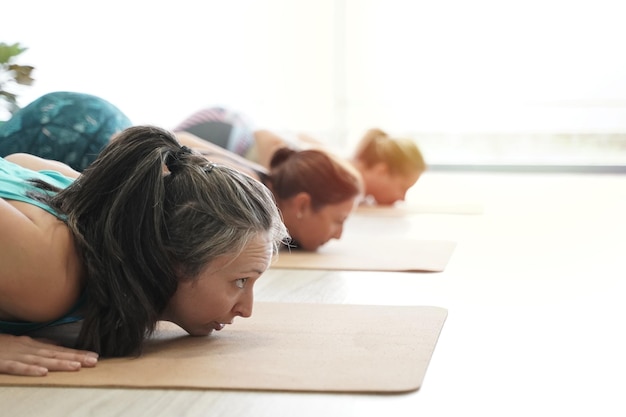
<point x="173" y="159"/>
<point x="183" y="150"/>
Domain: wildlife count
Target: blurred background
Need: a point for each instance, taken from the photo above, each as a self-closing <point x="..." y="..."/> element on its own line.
<point x="475" y="82"/>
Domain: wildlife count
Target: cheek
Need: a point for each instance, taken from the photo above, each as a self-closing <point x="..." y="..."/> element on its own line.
<point x="201" y="305"/>
<point x="215" y="302"/>
<point x="385" y="197"/>
<point x="382" y="190"/>
<point x="315" y="233"/>
<point x="323" y="228"/>
<point x="392" y="193"/>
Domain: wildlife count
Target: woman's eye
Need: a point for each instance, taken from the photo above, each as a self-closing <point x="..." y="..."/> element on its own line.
<point x="241" y="282"/>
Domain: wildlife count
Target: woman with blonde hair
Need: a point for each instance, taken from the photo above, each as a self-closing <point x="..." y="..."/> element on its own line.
<point x="389" y="165"/>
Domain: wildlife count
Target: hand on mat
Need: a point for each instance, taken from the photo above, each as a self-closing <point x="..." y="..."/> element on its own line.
<point x="22" y="355"/>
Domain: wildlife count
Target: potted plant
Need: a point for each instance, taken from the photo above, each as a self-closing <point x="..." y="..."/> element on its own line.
<point x="12" y="75"/>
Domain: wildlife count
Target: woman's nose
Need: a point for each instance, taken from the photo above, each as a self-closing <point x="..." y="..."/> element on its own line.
<point x="338" y="232"/>
<point x="243" y="308"/>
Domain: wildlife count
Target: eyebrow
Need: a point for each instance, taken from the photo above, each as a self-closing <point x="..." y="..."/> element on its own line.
<point x="258" y="271"/>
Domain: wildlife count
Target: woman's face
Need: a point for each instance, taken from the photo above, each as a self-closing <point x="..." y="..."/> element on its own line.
<point x="312" y="229"/>
<point x="388" y="189"/>
<point x="221" y="292"/>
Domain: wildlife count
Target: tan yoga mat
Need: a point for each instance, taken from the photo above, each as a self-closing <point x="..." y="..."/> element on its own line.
<point x="282" y="347"/>
<point x="371" y="253"/>
<point x="407" y="209"/>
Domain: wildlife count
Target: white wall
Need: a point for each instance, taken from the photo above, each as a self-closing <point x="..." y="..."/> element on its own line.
<point x="489" y="65"/>
<point x="161" y="60"/>
<point x="338" y="66"/>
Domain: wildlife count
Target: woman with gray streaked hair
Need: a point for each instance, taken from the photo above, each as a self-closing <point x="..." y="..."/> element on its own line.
<point x="149" y="231"/>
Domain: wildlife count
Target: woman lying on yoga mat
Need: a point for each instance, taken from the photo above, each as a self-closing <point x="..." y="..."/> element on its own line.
<point x="63" y="126"/>
<point x="149" y="231"/>
<point x="315" y="192"/>
<point x="389" y="166"/>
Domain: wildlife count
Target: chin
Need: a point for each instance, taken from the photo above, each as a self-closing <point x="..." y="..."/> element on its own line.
<point x="386" y="203"/>
<point x="296" y="244"/>
<point x="200" y="332"/>
<point x="312" y="248"/>
<point x="197" y="330"/>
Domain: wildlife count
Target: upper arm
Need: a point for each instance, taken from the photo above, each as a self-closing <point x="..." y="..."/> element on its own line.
<point x="267" y="143"/>
<point x="193" y="141"/>
<point x="310" y="141"/>
<point x="39" y="164"/>
<point x="217" y="154"/>
<point x="33" y="267"/>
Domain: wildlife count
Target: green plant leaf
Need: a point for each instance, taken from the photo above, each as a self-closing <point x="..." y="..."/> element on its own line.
<point x="10" y="97"/>
<point x="22" y="74"/>
<point x="7" y="52"/>
<point x="11" y="73"/>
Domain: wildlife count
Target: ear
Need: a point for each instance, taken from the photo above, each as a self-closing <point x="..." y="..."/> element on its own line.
<point x="302" y="203"/>
<point x="380" y="168"/>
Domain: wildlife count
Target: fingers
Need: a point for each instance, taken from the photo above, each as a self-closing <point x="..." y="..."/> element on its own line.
<point x="36" y="365"/>
<point x="62" y="359"/>
<point x="82" y="357"/>
<point x="19" y="368"/>
<point x="49" y="364"/>
<point x="25" y="356"/>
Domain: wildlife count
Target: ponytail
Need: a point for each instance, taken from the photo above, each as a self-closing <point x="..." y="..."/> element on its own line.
<point x="280" y="156"/>
<point x="324" y="177"/>
<point x="115" y="209"/>
<point x="146" y="214"/>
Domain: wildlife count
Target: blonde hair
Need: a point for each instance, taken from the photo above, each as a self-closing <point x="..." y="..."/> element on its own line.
<point x="401" y="155"/>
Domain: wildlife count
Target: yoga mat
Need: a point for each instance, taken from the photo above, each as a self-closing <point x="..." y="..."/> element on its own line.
<point x="407" y="209"/>
<point x="282" y="347"/>
<point x="371" y="253"/>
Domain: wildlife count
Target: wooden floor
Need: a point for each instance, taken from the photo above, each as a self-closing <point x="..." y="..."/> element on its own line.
<point x="535" y="290"/>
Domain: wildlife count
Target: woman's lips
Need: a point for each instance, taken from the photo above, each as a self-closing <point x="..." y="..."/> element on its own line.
<point x="219" y="326"/>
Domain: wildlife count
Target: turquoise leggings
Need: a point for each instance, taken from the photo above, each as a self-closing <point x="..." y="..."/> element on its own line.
<point x="63" y="126"/>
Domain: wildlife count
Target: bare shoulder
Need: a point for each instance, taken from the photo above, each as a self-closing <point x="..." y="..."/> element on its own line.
<point x="38" y="164"/>
<point x="267" y="143"/>
<point x="40" y="272"/>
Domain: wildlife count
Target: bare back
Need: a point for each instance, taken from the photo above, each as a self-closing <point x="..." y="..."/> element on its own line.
<point x="40" y="270"/>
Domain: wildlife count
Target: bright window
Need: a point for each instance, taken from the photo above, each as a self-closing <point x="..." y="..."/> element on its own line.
<point x="473" y="81"/>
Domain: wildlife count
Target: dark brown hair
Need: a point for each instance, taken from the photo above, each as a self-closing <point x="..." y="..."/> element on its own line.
<point x="322" y="176"/>
<point x="146" y="214"/>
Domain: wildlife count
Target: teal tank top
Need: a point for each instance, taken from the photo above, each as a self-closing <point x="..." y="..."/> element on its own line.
<point x="14" y="185"/>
